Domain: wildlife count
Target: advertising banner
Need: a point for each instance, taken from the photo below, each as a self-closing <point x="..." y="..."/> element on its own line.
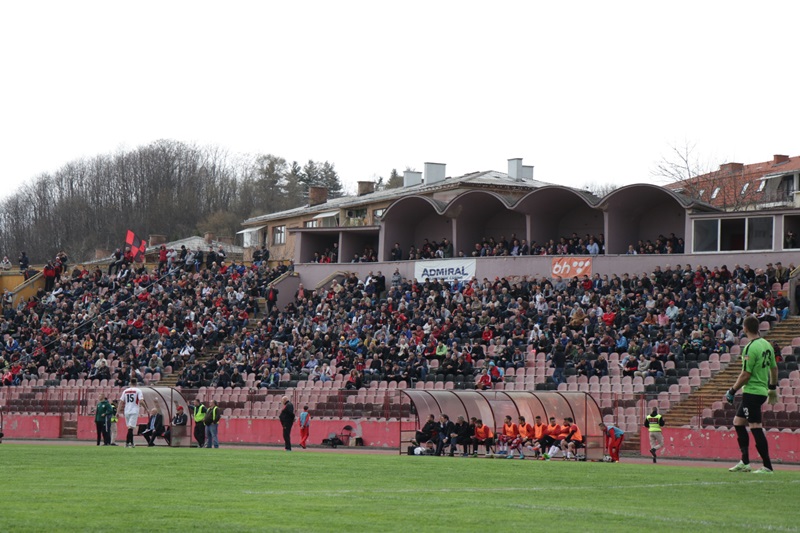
<point x="571" y="266"/>
<point x="445" y="269"/>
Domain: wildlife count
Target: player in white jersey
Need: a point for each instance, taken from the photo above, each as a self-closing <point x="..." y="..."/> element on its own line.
<point x="130" y="400"/>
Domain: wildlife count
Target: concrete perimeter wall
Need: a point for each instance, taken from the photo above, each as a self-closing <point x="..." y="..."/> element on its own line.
<point x="384" y="434"/>
<point x="721" y="444"/>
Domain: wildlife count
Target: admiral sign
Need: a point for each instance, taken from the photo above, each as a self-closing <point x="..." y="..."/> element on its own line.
<point x="445" y="269"/>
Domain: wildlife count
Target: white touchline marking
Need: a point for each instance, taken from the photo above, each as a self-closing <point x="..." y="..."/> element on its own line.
<point x="303" y="492"/>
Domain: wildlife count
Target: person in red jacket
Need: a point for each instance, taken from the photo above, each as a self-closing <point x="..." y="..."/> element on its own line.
<point x="484" y="380"/>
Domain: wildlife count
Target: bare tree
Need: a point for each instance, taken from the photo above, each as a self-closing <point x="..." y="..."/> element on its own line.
<point x="680" y="164"/>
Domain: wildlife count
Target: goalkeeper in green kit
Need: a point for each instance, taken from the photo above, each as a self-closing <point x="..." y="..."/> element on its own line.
<point x="758" y="381"/>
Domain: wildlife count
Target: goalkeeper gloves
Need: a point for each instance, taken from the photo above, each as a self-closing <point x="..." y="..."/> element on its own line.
<point x="729" y="395"/>
<point x="772" y="395"/>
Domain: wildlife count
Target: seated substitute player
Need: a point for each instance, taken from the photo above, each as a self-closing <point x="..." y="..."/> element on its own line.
<point x="509" y="434"/>
<point x="558" y="439"/>
<point x="758" y="381"/>
<point x="483" y="435"/>
<point x="573" y="440"/>
<point x="550" y="437"/>
<point x="525" y="436"/>
<point x="539" y="433"/>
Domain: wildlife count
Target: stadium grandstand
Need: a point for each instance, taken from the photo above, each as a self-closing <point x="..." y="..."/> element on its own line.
<point x="501" y="284"/>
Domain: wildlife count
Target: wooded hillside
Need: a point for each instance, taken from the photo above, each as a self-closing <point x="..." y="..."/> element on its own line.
<point x="166" y="187"/>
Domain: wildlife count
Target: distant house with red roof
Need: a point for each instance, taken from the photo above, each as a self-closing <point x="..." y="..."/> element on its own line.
<point x="737" y="187"/>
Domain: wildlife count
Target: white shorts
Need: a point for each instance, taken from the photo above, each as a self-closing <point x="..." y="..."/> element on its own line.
<point x="132" y="420"/>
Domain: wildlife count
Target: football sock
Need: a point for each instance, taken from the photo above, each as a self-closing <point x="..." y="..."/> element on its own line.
<point x="744" y="443"/>
<point x="762" y="446"/>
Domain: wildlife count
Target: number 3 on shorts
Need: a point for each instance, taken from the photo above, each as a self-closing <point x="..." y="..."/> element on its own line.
<point x="746" y="412"/>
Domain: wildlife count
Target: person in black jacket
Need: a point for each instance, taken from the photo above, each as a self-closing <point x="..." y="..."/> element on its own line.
<point x="445" y="431"/>
<point x="462" y="434"/>
<point x="428" y="432"/>
<point x="287" y="420"/>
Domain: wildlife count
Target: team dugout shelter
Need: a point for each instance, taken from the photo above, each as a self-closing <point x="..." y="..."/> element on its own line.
<point x="167" y="400"/>
<point x="493" y="406"/>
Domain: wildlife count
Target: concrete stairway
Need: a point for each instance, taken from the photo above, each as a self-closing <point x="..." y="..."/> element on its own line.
<point x="714" y="389"/>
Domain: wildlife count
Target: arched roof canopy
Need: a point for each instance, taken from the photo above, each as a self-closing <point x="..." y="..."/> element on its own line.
<point x="410" y="220"/>
<point x="556" y="211"/>
<point x="480" y="213"/>
<point x="643" y="212"/>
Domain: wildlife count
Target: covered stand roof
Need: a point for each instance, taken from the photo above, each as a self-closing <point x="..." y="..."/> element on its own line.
<point x="493" y="406"/>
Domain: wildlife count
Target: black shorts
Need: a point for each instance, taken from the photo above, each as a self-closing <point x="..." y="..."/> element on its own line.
<point x="750" y="408"/>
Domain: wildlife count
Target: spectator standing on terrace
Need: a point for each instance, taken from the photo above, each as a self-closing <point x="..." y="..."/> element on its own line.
<point x="397" y="253"/>
<point x="305" y="426"/>
<point x="286" y="418"/>
<point x="271" y="297"/>
<point x="24" y="262"/>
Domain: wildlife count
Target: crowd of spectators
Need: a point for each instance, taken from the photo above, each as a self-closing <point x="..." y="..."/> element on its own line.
<point x="513" y="246"/>
<point x="145" y="320"/>
<point x="331" y="255"/>
<point x="368" y="329"/>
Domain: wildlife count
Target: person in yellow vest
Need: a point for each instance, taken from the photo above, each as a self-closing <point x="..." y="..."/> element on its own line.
<point x="199" y="415"/>
<point x="654" y="422"/>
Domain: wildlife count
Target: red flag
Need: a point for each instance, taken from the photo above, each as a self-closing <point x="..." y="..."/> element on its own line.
<point x="137" y="245"/>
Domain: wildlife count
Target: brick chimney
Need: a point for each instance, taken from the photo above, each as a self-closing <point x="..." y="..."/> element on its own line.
<point x="779" y="159"/>
<point x="731" y="167"/>
<point x="366" y="187"/>
<point x="317" y="195"/>
<point x="156" y="240"/>
<point x="209" y="237"/>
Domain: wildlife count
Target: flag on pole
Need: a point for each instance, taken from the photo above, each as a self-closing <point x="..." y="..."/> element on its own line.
<point x="137" y="245"/>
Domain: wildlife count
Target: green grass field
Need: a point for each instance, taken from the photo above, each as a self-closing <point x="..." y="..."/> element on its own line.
<point x="86" y="488"/>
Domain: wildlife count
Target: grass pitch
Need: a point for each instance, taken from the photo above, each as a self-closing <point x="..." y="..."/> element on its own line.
<point x="88" y="488"/>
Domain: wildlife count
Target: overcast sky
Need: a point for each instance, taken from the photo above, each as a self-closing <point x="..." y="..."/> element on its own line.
<point x="585" y="91"/>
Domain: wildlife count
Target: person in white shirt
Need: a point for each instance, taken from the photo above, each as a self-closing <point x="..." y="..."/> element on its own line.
<point x="130" y="400"/>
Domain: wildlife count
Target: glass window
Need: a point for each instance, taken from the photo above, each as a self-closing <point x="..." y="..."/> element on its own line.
<point x="744" y="187"/>
<point x="759" y="233"/>
<point x="762" y="185"/>
<point x="715" y="193"/>
<point x="732" y="231"/>
<point x="377" y="213"/>
<point x="705" y="235"/>
<point x="279" y="235"/>
<point x="311" y="223"/>
<point x="700" y="194"/>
